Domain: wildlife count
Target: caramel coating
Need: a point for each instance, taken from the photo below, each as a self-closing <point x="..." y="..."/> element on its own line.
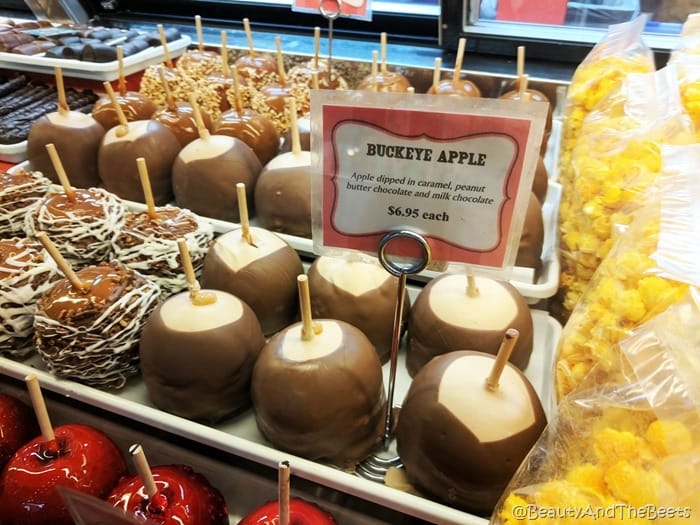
<point x="252" y="128"/>
<point x="135" y="105"/>
<point x="180" y="120"/>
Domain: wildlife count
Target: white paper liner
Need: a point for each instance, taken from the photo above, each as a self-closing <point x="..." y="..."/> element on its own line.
<point x="159" y="259"/>
<point x="19" y="293"/>
<point x="17" y="199"/>
<point x="82" y="240"/>
<point x="105" y="353"/>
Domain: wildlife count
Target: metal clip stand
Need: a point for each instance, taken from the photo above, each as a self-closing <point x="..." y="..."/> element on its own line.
<point x="330" y="9"/>
<point x="376" y="466"/>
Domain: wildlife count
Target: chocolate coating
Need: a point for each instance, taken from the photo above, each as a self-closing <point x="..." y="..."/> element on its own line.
<point x="540" y="183"/>
<point x="252" y="128"/>
<point x="331" y="407"/>
<point x="372" y="312"/>
<point x="208" y="186"/>
<point x="447" y="459"/>
<point x="117" y="161"/>
<point x="386" y="81"/>
<point x="457" y="88"/>
<point x="532" y="237"/>
<point x="268" y="285"/>
<point x="429" y="335"/>
<point x="208" y="384"/>
<point x="304" y="126"/>
<point x="181" y="122"/>
<point x="135" y="106"/>
<point x="283" y="199"/>
<point x="77" y="147"/>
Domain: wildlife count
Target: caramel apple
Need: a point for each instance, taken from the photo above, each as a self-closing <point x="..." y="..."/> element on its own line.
<point x="456" y="86"/>
<point x="79" y="457"/>
<point x="256" y="69"/>
<point x="19" y="192"/>
<point x="179" y="119"/>
<point x="26" y="272"/>
<point x="453" y="312"/>
<point x="213" y="382"/>
<point x="359" y="292"/>
<point x="384" y="80"/>
<point x="459" y="439"/>
<point x="134" y="104"/>
<point x="263" y="274"/>
<point x="304" y="125"/>
<point x="532" y="237"/>
<point x="88" y="330"/>
<point x="17" y="426"/>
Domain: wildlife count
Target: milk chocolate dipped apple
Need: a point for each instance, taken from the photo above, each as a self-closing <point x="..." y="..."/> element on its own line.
<point x="317" y="390"/>
<point x="88" y="325"/>
<point x="77" y="137"/>
<point x="26" y="272"/>
<point x="17" y="426"/>
<point x="382" y="79"/>
<point x="532" y="237"/>
<point x="169" y="495"/>
<point x="540" y="183"/>
<point x="454" y="312"/>
<point x="455" y="86"/>
<point x="19" y="191"/>
<point x="206" y="171"/>
<point x="460" y="439"/>
<point x="214" y="382"/>
<point x="359" y="292"/>
<point x="262" y="273"/>
<point x="283" y="189"/>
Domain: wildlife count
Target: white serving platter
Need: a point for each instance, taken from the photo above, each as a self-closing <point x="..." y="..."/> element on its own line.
<point x="13" y="153"/>
<point x="240" y="436"/>
<point x="94" y="70"/>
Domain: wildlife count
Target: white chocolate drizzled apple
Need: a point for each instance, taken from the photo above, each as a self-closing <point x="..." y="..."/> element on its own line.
<point x="19" y="191"/>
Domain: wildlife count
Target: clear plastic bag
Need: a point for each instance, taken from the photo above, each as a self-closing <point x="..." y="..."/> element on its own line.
<point x="624" y="448"/>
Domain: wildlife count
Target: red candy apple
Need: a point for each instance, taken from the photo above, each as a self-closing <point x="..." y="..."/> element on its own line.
<point x="80" y="457"/>
<point x="183" y="497"/>
<point x="17" y="426"/>
<point x="300" y="513"/>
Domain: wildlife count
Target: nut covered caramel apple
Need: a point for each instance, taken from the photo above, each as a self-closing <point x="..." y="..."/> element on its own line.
<point x="212" y="382"/>
<point x="321" y="398"/>
<point x="17" y="426"/>
<point x="149" y="245"/>
<point x="26" y="272"/>
<point x="184" y="497"/>
<point x="82" y="227"/>
<point x="80" y="457"/>
<point x="91" y="335"/>
<point x="263" y="275"/>
<point x="77" y="137"/>
<point x="445" y="317"/>
<point x="19" y="191"/>
<point x="359" y="292"/>
<point x="460" y="441"/>
<point x="301" y="512"/>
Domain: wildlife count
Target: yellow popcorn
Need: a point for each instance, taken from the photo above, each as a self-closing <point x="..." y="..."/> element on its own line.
<point x="669" y="437"/>
<point x="588" y="476"/>
<point x="633" y="485"/>
<point x="612" y="445"/>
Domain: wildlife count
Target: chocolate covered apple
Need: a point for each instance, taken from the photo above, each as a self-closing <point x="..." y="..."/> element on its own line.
<point x="88" y="325"/>
<point x="20" y="191"/>
<point x="77" y="137"/>
<point x="214" y="382"/>
<point x="532" y="237"/>
<point x="456" y="312"/>
<point x="169" y="495"/>
<point x="317" y="390"/>
<point x="26" y="272"/>
<point x="461" y="438"/>
<point x="17" y="426"/>
<point x="80" y="457"/>
<point x="359" y="292"/>
<point x="206" y="171"/>
<point x="540" y="183"/>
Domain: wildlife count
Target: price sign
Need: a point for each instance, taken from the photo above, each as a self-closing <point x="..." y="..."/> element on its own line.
<point x="457" y="171"/>
<point x="359" y="9"/>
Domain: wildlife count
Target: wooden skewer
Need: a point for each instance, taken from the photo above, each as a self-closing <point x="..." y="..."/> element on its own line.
<point x="198" y="28"/>
<point x="317" y="46"/>
<point x="436" y="73"/>
<point x="201" y="128"/>
<point x="294" y="126"/>
<point x="224" y="55"/>
<point x="504" y="351"/>
<point x="459" y="59"/>
<point x="238" y="102"/>
<point x="523" y="81"/>
<point x="143" y="470"/>
<point x="382" y="48"/>
<point x="61" y="91"/>
<point x="60" y="171"/>
<point x="307" y="328"/>
<point x="123" y="123"/>
<point x="146" y="185"/>
<point x="314" y="80"/>
<point x="164" y="43"/>
<point x="169" y="99"/>
<point x="472" y="288"/>
<point x="280" y="62"/>
<point x="249" y="36"/>
<point x="520" y="64"/>
<point x="243" y="213"/>
<point x="283" y="491"/>
<point x="62" y="264"/>
<point x="374" y="71"/>
<point x="42" y="415"/>
<point x="120" y="66"/>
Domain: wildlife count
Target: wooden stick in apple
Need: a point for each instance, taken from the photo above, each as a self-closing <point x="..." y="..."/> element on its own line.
<point x="248" y="36"/>
<point x="143" y="469"/>
<point x="60" y="171"/>
<point x="120" y="69"/>
<point x="472" y="288"/>
<point x="459" y="60"/>
<point x="520" y="63"/>
<point x="283" y="473"/>
<point x="201" y="128"/>
<point x="317" y="46"/>
<point x="309" y="328"/>
<point x="63" y="108"/>
<point x="198" y="297"/>
<point x="164" y="43"/>
<point x="506" y="348"/>
<point x="62" y="264"/>
<point x="146" y="185"/>
<point x="436" y="74"/>
<point x="280" y="62"/>
<point x="123" y="122"/>
<point x="243" y="213"/>
<point x="42" y="415"/>
<point x="374" y="71"/>
<point x="382" y="49"/>
<point x="169" y="99"/>
<point x="198" y="27"/>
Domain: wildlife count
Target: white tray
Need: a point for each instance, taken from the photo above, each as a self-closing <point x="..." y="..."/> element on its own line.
<point x="14" y="153"/>
<point x="241" y="437"/>
<point x="94" y="70"/>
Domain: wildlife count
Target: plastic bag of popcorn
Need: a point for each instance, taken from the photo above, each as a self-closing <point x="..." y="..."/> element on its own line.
<point x="624" y="448"/>
<point x="647" y="270"/>
<point x="616" y="159"/>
